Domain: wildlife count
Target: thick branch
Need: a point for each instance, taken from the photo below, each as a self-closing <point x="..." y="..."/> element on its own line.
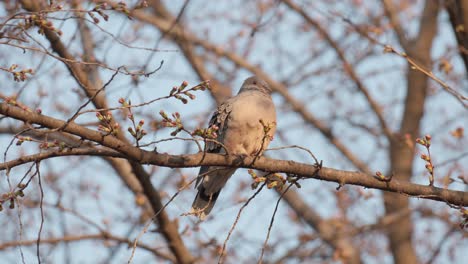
<point x="392" y="14"/>
<point x="59" y="153"/>
<point x="402" y="155"/>
<point x="90" y="84"/>
<point x="340" y="241"/>
<point x="74" y="67"/>
<point x="270" y="165"/>
<point x="458" y="12"/>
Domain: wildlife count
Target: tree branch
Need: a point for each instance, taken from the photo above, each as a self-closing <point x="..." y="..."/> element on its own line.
<point x="458" y="12"/>
<point x="340" y="241"/>
<point x="402" y="155"/>
<point x="90" y="85"/>
<point x="348" y="68"/>
<point x="392" y="15"/>
<point x="295" y="104"/>
<point x="349" y="253"/>
<point x="265" y="164"/>
<point x="102" y="236"/>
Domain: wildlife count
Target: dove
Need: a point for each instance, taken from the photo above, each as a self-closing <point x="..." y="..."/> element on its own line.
<point x="246" y="124"/>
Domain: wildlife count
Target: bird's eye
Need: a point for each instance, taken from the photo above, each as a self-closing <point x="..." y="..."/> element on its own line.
<point x="255" y="82"/>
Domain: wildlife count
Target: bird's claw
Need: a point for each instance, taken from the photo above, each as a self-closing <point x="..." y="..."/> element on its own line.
<point x="319" y="165"/>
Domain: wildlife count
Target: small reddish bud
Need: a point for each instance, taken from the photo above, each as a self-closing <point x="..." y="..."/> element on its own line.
<point x="271" y="185"/>
<point x="429" y="167"/>
<point x="458" y="132"/>
<point x="163" y="114"/>
<point x="381" y="177"/>
<point x="173" y="91"/>
<point x="428" y="140"/>
<point x="259" y="179"/>
<point x="420" y="141"/>
<point x="252" y="173"/>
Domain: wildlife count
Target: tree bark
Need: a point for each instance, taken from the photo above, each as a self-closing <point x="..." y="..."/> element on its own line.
<point x="458" y="12"/>
<point x="402" y="155"/>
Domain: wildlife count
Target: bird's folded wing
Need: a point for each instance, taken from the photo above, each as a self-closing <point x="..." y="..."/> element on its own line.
<point x="220" y="118"/>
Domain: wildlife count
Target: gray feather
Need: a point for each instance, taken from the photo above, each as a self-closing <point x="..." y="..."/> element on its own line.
<point x="240" y="132"/>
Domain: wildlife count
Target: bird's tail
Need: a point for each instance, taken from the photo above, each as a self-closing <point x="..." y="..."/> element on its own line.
<point x="203" y="203"/>
<point x="209" y="189"/>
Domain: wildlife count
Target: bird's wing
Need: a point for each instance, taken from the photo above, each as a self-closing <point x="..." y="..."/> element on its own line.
<point x="220" y="118"/>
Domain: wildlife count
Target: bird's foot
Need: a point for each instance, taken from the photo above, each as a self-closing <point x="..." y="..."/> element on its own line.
<point x="318" y="166"/>
<point x="240" y="158"/>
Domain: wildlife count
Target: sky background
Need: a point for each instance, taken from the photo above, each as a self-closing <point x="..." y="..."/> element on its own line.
<point x="106" y="201"/>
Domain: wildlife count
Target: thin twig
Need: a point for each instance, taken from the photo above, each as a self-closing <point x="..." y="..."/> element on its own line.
<point x="153" y="218"/>
<point x="222" y="254"/>
<point x="42" y="212"/>
<point x="271" y="223"/>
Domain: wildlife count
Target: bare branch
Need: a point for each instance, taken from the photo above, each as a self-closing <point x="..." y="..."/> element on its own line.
<point x="392" y="14"/>
<point x="105" y="236"/>
<point x="269" y="165"/>
<point x="295" y="104"/>
<point x="348" y="68"/>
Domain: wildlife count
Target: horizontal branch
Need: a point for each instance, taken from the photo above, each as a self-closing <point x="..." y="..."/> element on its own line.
<point x="59" y="153"/>
<point x="98" y="236"/>
<point x="208" y="159"/>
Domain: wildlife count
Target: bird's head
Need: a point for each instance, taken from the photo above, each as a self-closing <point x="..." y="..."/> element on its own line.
<point x="254" y="83"/>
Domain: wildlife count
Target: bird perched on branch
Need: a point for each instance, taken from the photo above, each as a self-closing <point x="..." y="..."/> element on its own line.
<point x="245" y="126"/>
